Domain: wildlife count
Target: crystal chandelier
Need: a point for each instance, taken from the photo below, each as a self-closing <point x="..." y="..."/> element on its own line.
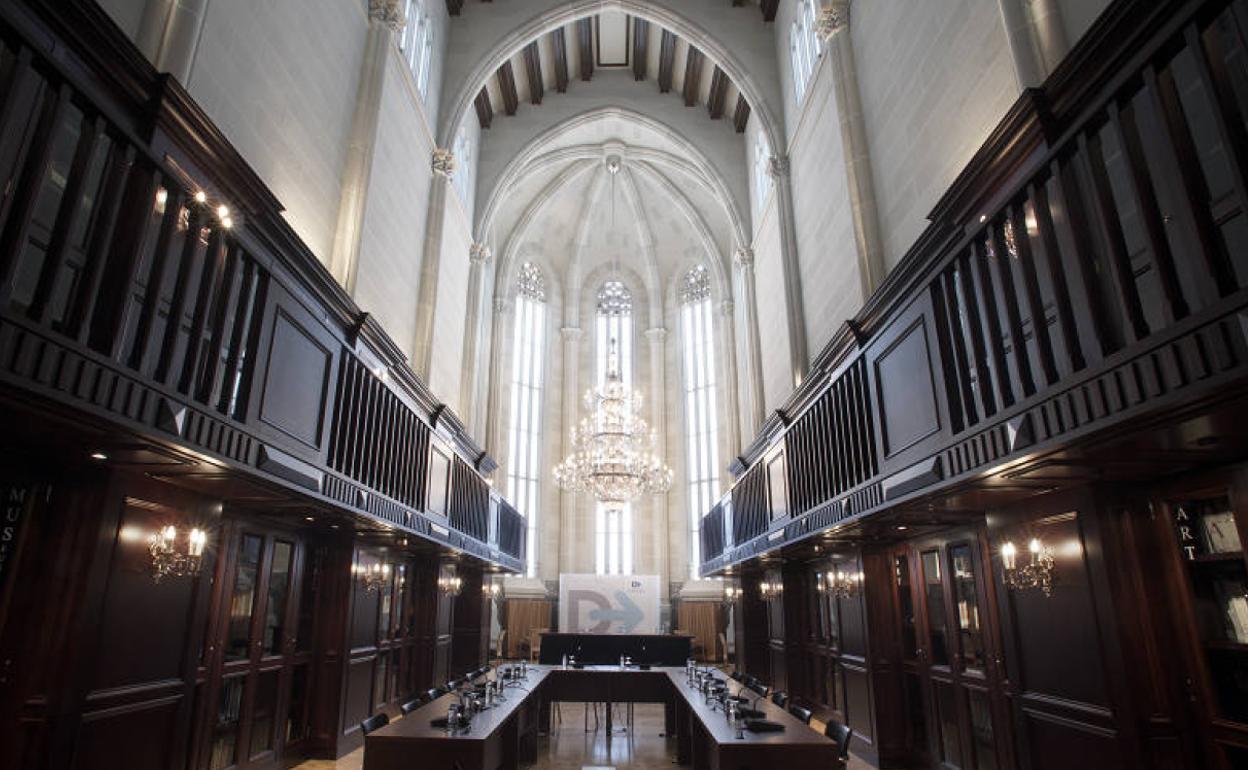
<point x="612" y="454"/>
<point x="170" y="561"/>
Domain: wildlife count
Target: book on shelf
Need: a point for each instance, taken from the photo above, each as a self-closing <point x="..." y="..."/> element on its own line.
<point x="1234" y="601"/>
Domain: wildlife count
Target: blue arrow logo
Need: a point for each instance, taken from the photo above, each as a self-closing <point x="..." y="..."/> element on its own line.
<point x="628" y="616"/>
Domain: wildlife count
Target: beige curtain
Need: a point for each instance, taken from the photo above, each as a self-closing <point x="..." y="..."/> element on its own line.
<point x="701" y="620"/>
<point x="523" y="617"/>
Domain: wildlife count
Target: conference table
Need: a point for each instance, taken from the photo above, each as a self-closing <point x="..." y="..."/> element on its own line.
<point x="505" y="736"/>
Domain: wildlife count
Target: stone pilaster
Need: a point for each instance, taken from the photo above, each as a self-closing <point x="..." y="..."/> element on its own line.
<point x="795" y="315"/>
<point x="570" y="536"/>
<point x="743" y="259"/>
<point x="656" y="338"/>
<point x="443" y="164"/>
<point x="470" y="392"/>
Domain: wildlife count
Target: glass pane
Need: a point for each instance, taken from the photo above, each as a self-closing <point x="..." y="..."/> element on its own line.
<point x="909" y="634"/>
<point x="915" y="714"/>
<point x="264" y="715"/>
<point x="225" y="731"/>
<point x="379" y="678"/>
<point x="982" y="737"/>
<point x="307" y="604"/>
<point x="387" y="602"/>
<point x="937" y="626"/>
<point x="243" y="600"/>
<point x="296" y="722"/>
<point x="970" y="636"/>
<point x="279" y="589"/>
<point x="947" y="722"/>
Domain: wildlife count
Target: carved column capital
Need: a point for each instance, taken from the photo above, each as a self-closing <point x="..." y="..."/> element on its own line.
<point x="833" y="18"/>
<point x="656" y="334"/>
<point x="778" y="166"/>
<point x="502" y="305"/>
<point x="743" y="257"/>
<point x="443" y="162"/>
<point x="726" y="307"/>
<point x="479" y="254"/>
<point x="387" y="12"/>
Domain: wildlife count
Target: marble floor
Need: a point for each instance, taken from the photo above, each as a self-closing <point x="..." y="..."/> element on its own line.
<point x="569" y="747"/>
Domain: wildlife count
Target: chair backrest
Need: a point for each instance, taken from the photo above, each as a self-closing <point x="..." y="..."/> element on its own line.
<point x="801" y="713"/>
<point x="736" y="675"/>
<point x="434" y="693"/>
<point x="759" y="688"/>
<point x="780" y="698"/>
<point x="410" y="706"/>
<point x="842" y="734"/>
<point x="375" y="722"/>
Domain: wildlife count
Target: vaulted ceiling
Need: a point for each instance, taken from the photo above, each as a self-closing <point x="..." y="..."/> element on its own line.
<point x="570" y="55"/>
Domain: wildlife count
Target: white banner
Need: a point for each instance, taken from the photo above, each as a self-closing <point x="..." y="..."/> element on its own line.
<point x="609" y="604"/>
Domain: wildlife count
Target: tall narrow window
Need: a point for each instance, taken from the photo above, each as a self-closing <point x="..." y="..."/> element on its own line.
<point x="523" y="442"/>
<point x="701" y="417"/>
<point x="416" y="43"/>
<point x="805" y="48"/>
<point x="762" y="179"/>
<point x="613" y="332"/>
<point x="463" y="163"/>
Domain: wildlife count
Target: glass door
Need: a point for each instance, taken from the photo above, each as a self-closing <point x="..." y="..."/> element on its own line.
<point x="261" y="668"/>
<point x="948" y="644"/>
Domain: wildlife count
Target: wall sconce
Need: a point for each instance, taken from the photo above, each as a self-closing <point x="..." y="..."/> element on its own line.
<point x="839" y="584"/>
<point x="450" y="585"/>
<point x="491" y="590"/>
<point x="731" y="594"/>
<point x="168" y="560"/>
<point x="1037" y="574"/>
<point x="375" y="576"/>
<point x="769" y="590"/>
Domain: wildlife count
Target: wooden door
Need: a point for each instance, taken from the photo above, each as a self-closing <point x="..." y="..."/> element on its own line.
<point x="954" y="653"/>
<point x="257" y="701"/>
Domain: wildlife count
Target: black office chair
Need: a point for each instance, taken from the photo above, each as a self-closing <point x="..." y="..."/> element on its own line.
<point x="780" y="698"/>
<point x="751" y="680"/>
<point x="434" y="694"/>
<point x="736" y="675"/>
<point x="411" y="706"/>
<point x="375" y="722"/>
<point x="842" y="734"/>
<point x="801" y="713"/>
<point x="451" y="685"/>
<point x="759" y="688"/>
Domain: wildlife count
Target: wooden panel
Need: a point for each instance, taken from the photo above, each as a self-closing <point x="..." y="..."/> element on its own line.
<point x="145" y="736"/>
<point x="907" y="394"/>
<point x="858" y="700"/>
<point x="357" y="700"/>
<point x="296" y="381"/>
<point x="1092" y="747"/>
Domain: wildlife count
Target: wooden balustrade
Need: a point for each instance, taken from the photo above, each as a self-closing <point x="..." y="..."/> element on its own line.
<point x="148" y="280"/>
<point x="1088" y="265"/>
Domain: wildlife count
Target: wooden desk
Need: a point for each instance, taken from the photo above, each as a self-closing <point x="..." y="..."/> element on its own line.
<point x="506" y="735"/>
<point x="704" y="738"/>
<point x="500" y="737"/>
<point x="606" y="649"/>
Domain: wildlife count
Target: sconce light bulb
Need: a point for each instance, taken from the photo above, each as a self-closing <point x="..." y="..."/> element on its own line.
<point x="223" y="211"/>
<point x="227" y="223"/>
<point x="169" y="533"/>
<point x="1034" y="545"/>
<point x="201" y="197"/>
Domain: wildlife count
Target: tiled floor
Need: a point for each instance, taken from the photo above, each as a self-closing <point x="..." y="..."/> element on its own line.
<point x="569" y="747"/>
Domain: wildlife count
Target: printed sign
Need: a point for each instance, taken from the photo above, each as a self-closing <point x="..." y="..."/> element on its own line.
<point x="609" y="604"/>
<point x="16" y="504"/>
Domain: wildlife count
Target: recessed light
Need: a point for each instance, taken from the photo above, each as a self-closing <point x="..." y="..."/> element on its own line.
<point x="333" y="526"/>
<point x="902" y="528"/>
<point x="308" y="518"/>
<point x="98" y="456"/>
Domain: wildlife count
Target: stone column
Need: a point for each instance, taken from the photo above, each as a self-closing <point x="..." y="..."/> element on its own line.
<point x="568" y="518"/>
<point x="493" y="425"/>
<point x="834" y="30"/>
<point x="384" y="18"/>
<point x="660" y="524"/>
<point x="744" y="261"/>
<point x="730" y="405"/>
<point x="1037" y="39"/>
<point x="469" y="387"/>
<point x="169" y="32"/>
<point x="795" y="316"/>
<point x="443" y="163"/>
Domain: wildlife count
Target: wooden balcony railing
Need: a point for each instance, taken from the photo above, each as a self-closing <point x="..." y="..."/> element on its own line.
<point x="148" y="280"/>
<point x="1087" y="268"/>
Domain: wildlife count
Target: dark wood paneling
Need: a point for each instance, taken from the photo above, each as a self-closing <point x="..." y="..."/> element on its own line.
<point x="719" y="94"/>
<point x="907" y="405"/>
<point x="533" y="72"/>
<point x="741" y="115"/>
<point x="507" y="86"/>
<point x="667" y="60"/>
<point x="485" y="110"/>
<point x="693" y="75"/>
<point x="559" y="48"/>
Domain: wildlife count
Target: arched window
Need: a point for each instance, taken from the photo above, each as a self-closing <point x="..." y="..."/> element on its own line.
<point x="805" y="48"/>
<point x="524" y="435"/>
<point x="613" y="336"/>
<point x="416" y="43"/>
<point x="762" y="179"/>
<point x="697" y="343"/>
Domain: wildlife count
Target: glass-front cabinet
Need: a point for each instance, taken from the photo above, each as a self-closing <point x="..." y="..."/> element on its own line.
<point x="1207" y="528"/>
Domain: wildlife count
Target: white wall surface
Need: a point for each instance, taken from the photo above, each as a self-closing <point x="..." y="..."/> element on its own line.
<point x="772" y="309"/>
<point x="447" y="364"/>
<point x="279" y="78"/>
<point x="935" y="79"/>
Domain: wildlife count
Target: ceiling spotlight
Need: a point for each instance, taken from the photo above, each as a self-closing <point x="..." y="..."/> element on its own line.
<point x="98" y="456"/>
<point x="308" y="518"/>
<point x="333" y="526"/>
<point x="223" y="211"/>
<point x="902" y="528"/>
<point x="201" y="197"/>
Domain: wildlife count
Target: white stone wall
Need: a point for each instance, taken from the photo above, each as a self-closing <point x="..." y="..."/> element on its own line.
<point x="447" y="363"/>
<point x="935" y="79"/>
<point x="280" y="79"/>
<point x="772" y="309"/>
<point x="388" y="276"/>
<point x="127" y="13"/>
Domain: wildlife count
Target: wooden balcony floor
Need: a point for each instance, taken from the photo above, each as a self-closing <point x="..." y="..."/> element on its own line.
<point x="569" y="747"/>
